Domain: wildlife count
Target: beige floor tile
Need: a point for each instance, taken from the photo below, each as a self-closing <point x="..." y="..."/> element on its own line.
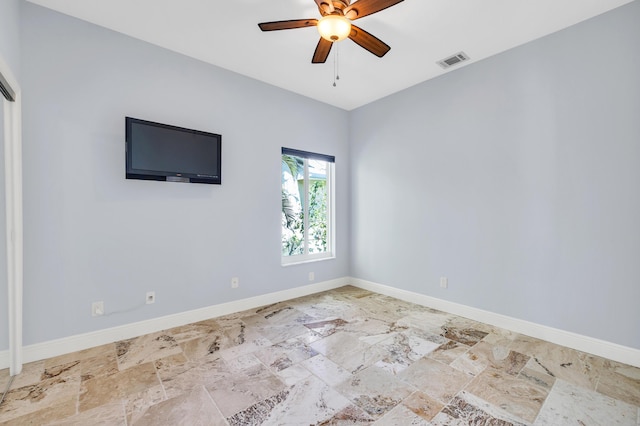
<point x="285" y="354"/>
<point x="349" y="416"/>
<point x="449" y="351"/>
<point x="619" y="381"/>
<point x="350" y="351"/>
<point x="178" y="375"/>
<point x="403" y="349"/>
<point x="519" y="397"/>
<point x="569" y="404"/>
<point x="136" y="404"/>
<point x="209" y="345"/>
<point x="422" y="405"/>
<point x="101" y="365"/>
<point x="484" y="355"/>
<point x="558" y="361"/>
<point x="80" y="355"/>
<point x="194" y="408"/>
<point x="45" y="393"/>
<point x="107" y="389"/>
<point x="466" y="409"/>
<point x="327" y="370"/>
<point x="144" y="349"/>
<point x="375" y="390"/>
<point x="463" y="334"/>
<point x="292" y="375"/>
<point x="352" y="291"/>
<point x="106" y="415"/>
<point x="327" y="327"/>
<point x="537" y="378"/>
<point x="310" y="401"/>
<point x="437" y="380"/>
<point x="401" y="415"/>
<point x="431" y="321"/>
<point x="60" y="409"/>
<point x="240" y="390"/>
<point x="30" y="375"/>
<point x="244" y="339"/>
<point x="341" y="357"/>
<point x="193" y="331"/>
<point x="4" y="379"/>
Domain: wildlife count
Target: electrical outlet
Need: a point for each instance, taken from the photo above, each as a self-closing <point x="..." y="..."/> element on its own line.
<point x="97" y="309"/>
<point x="444" y="282"/>
<point x="151" y="297"/>
<point x="312" y="276"/>
<point x="235" y="282"/>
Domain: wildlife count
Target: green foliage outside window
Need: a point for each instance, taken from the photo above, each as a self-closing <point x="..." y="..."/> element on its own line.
<point x="318" y="216"/>
<point x="293" y="211"/>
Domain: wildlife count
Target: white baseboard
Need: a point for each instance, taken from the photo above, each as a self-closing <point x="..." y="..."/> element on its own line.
<point x="79" y="342"/>
<point x="576" y="341"/>
<point x="579" y="342"/>
<point x="4" y="359"/>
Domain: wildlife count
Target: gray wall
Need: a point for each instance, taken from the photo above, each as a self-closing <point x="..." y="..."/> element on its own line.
<point x="10" y="34"/>
<point x="92" y="235"/>
<point x="517" y="177"/>
<point x="10" y="53"/>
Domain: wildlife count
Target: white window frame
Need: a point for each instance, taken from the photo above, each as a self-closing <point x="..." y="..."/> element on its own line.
<point x="307" y="257"/>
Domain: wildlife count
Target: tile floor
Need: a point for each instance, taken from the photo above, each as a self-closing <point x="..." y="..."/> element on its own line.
<point x="342" y="357"/>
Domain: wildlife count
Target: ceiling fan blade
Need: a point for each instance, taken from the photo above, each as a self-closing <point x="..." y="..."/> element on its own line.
<point x="325" y="6"/>
<point x="322" y="51"/>
<point x="372" y="43"/>
<point x="366" y="7"/>
<point x="288" y="25"/>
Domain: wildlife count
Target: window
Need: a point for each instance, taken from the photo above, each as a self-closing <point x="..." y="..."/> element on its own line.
<point x="307" y="206"/>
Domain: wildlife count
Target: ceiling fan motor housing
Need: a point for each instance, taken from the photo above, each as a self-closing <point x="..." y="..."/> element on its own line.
<point x="341" y="4"/>
<point x="334" y="27"/>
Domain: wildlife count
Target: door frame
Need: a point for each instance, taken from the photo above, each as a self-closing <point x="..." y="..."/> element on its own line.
<point x="14" y="216"/>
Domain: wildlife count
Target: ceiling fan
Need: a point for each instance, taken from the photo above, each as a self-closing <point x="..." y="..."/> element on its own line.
<point x="335" y="25"/>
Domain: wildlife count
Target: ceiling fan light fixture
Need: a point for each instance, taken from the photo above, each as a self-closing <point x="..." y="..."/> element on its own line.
<point x="334" y="27"/>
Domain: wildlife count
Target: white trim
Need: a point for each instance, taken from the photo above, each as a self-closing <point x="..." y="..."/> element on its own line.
<point x="4" y="359"/>
<point x="13" y="200"/>
<point x="79" y="342"/>
<point x="331" y="208"/>
<point x="579" y="342"/>
<point x="613" y="351"/>
<point x="302" y="262"/>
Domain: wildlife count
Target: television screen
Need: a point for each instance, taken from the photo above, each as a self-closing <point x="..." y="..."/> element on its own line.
<point x="156" y="151"/>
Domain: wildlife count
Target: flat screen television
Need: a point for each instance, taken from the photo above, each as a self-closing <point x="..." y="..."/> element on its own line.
<point x="156" y="151"/>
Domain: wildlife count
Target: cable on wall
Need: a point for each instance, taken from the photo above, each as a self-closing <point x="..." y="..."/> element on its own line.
<point x="6" y="391"/>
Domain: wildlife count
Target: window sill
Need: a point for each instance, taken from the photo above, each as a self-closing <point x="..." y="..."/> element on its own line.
<point x="307" y="260"/>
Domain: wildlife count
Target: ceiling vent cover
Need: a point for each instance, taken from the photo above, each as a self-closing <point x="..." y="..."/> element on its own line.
<point x="453" y="60"/>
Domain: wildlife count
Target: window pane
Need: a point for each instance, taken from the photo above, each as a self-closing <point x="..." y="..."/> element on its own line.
<point x="292" y="202"/>
<point x="317" y="206"/>
<point x="306" y="206"/>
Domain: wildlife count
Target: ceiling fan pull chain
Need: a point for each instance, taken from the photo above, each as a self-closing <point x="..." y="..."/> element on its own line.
<point x="338" y="62"/>
<point x="336" y="75"/>
<point x="335" y="66"/>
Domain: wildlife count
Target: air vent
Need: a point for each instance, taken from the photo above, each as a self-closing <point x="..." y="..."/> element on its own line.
<point x="453" y="60"/>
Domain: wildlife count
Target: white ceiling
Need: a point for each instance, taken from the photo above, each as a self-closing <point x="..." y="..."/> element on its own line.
<point x="420" y="32"/>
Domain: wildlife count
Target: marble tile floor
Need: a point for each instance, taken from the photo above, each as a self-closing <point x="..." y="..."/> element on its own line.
<point x="341" y="357"/>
